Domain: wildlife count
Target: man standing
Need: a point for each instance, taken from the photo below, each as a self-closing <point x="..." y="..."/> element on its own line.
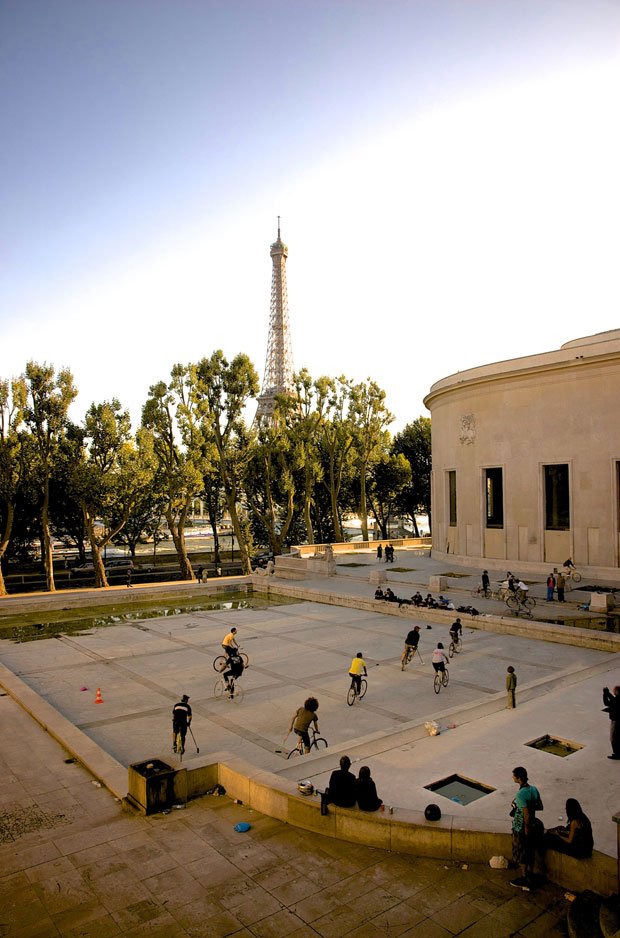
<point x="181" y="719"/>
<point x="525" y="827"/>
<point x="550" y="587"/>
<point x="561" y="585"/>
<point x="612" y="706"/>
<point x="485" y="582"/>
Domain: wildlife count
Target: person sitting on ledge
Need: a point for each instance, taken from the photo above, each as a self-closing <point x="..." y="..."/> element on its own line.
<point x="341" y="788"/>
<point x="416" y="599"/>
<point x="575" y="839"/>
<point x="366" y="791"/>
<point x="389" y="596"/>
<point x="379" y="594"/>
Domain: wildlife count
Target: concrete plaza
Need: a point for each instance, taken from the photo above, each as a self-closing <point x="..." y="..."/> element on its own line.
<point x="298" y="649"/>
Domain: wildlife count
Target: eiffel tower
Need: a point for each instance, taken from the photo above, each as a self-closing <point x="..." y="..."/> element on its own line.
<point x="278" y="376"/>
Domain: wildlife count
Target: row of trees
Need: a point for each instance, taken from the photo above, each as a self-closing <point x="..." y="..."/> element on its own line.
<point x="326" y="452"/>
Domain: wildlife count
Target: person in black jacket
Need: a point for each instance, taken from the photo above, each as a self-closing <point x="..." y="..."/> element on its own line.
<point x="366" y="791"/>
<point x="341" y="788"/>
<point x="612" y="706"/>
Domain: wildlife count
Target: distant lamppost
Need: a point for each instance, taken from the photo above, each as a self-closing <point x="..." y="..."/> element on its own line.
<point x="232" y="545"/>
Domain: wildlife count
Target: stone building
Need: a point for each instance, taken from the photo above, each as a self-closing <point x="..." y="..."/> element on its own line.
<point x="526" y="460"/>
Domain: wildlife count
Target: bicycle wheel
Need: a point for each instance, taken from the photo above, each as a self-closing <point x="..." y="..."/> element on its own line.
<point x="294" y="752"/>
<point x="445" y="678"/>
<point x="245" y="658"/>
<point x="351" y="695"/>
<point x="219" y="688"/>
<point x="476" y="593"/>
<point x="451" y="650"/>
<point x="363" y="688"/>
<point x="575" y="576"/>
<point x="437" y="682"/>
<point x="458" y="646"/>
<point x="219" y="663"/>
<point x="512" y="602"/>
<point x="529" y="602"/>
<point x="319" y="743"/>
<point x="237" y="694"/>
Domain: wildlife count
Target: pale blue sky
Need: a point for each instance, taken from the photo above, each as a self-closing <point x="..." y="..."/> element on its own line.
<point x="446" y="173"/>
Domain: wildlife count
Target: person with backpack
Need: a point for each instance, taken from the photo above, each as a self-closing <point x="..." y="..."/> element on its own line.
<point x="526" y="828"/>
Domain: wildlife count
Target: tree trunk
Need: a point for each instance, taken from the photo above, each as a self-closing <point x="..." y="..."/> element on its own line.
<point x="363" y="507"/>
<point x="307" y="516"/>
<point x="99" y="569"/>
<point x="177" y="530"/>
<point x="234" y="517"/>
<point x="5" y="537"/>
<point x="48" y="560"/>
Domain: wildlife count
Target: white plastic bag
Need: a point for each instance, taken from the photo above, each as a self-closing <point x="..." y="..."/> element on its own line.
<point x="432" y="728"/>
<point x="498" y="863"/>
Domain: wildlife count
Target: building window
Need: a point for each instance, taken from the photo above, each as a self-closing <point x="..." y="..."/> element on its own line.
<point x="494" y="488"/>
<point x="452" y="496"/>
<point x="618" y="495"/>
<point x="557" y="509"/>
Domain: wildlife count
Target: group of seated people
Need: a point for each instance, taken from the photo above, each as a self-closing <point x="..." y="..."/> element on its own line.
<point x="345" y="790"/>
<point x="429" y="602"/>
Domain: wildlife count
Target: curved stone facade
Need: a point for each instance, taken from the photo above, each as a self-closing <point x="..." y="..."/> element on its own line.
<point x="526" y="459"/>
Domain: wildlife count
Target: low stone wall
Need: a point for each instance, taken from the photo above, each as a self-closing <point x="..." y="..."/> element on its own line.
<point x="403" y="831"/>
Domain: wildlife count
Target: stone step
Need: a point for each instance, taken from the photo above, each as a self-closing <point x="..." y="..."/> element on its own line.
<point x="583" y="916"/>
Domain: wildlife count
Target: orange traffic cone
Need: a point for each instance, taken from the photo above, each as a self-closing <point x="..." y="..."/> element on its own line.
<point x="98" y="697"/>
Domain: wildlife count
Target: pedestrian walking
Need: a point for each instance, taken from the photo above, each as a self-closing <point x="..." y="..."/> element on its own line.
<point x="511" y="687"/>
<point x="129" y="577"/>
<point x="485" y="582"/>
<point x="561" y="585"/>
<point x="550" y="587"/>
<point x="612" y="707"/>
<point x="379" y="552"/>
<point x="199" y="573"/>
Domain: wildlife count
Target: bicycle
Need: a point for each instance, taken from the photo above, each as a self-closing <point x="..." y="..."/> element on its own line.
<point x="441" y="680"/>
<point x="232" y="690"/>
<point x="316" y="741"/>
<point x="352" y="693"/>
<point x="408" y="655"/>
<point x="481" y="591"/>
<point x="455" y="647"/>
<point x="571" y="576"/>
<point x="220" y="662"/>
<point x="179" y="745"/>
<point x="519" y="601"/>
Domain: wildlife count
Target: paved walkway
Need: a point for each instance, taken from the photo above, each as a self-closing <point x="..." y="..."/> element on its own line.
<point x="72" y="864"/>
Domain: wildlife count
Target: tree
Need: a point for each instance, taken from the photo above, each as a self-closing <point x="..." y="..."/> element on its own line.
<point x="336" y="437"/>
<point x="48" y="397"/>
<point x="269" y="482"/>
<point x="414" y="442"/>
<point x="177" y="454"/>
<point x="223" y="389"/>
<point x="303" y="415"/>
<point x="369" y="417"/>
<point x="388" y="478"/>
<point x="12" y="462"/>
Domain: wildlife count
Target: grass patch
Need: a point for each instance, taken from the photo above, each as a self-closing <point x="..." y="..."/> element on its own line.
<point x="457" y="575"/>
<point x="352" y="564"/>
<point x="401" y="569"/>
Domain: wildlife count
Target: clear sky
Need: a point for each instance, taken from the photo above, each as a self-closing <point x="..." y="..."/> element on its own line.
<point x="447" y="172"/>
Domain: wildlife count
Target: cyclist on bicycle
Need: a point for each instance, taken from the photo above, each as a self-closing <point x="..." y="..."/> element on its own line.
<point x="229" y="643"/>
<point x="301" y="720"/>
<point x="569" y="564"/>
<point x="439" y="659"/>
<point x="456" y="630"/>
<point x="181" y="719"/>
<point x="234" y="670"/>
<point x="357" y="671"/>
<point x="411" y="643"/>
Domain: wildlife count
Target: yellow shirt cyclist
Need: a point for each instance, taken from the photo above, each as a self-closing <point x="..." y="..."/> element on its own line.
<point x="357" y="669"/>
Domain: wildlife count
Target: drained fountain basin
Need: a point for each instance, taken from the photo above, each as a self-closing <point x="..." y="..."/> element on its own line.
<point x="554" y="745"/>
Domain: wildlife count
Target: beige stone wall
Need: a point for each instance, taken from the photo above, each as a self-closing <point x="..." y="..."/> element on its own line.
<point x="520" y="415"/>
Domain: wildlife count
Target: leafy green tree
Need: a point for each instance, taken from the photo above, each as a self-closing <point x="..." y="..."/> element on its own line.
<point x="48" y="397"/>
<point x="12" y="458"/>
<point x="269" y="482"/>
<point x="388" y="477"/>
<point x="178" y="476"/>
<point x="223" y="390"/>
<point x="147" y="509"/>
<point x="336" y="440"/>
<point x="414" y="442"/>
<point x="370" y="418"/>
<point x="213" y="494"/>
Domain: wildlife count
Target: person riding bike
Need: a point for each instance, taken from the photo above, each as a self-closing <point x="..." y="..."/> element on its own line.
<point x="301" y="720"/>
<point x="229" y="643"/>
<point x="356" y="671"/>
<point x="439" y="659"/>
<point x="181" y="720"/>
<point x="456" y="631"/>
<point x="411" y="642"/>
<point x="233" y="670"/>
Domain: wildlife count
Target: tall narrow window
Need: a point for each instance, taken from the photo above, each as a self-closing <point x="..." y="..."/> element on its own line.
<point x="618" y="494"/>
<point x="494" y="487"/>
<point x="557" y="501"/>
<point x="452" y="496"/>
